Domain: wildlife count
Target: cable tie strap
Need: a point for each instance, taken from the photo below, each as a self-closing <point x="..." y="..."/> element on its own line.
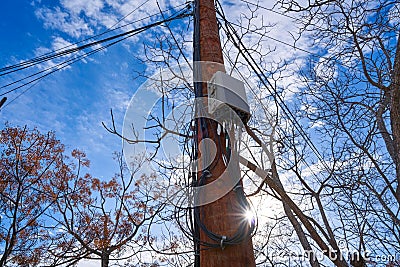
<point x="223" y="238"/>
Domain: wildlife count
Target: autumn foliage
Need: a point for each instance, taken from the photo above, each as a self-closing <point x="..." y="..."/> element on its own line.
<point x="31" y="165"/>
<point x="101" y="219"/>
<point x="54" y="214"/>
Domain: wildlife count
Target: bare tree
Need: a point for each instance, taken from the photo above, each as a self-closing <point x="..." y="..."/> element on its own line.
<point x="104" y="220"/>
<point x="341" y="157"/>
<point x="335" y="141"/>
<point x="353" y="91"/>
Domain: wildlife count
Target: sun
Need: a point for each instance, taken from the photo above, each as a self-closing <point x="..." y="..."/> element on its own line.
<point x="249" y="216"/>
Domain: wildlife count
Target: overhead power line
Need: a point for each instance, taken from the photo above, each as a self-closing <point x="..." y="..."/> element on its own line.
<point x="232" y="35"/>
<point x="2" y="101"/>
<point x="111" y="29"/>
<point x="130" y="13"/>
<point x="116" y="39"/>
<point x="237" y="42"/>
<point x="47" y="57"/>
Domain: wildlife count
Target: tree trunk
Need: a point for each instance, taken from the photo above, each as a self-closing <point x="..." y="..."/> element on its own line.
<point x="395" y="114"/>
<point x="105" y="259"/>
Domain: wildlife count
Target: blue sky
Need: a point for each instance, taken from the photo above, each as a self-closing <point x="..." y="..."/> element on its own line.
<point x="74" y="101"/>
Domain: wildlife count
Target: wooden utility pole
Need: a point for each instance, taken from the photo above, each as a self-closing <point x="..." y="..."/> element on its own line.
<point x="223" y="216"/>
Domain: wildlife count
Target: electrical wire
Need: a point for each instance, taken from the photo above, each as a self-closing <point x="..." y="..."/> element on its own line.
<point x="2" y="101"/>
<point x="288" y="44"/>
<point x="264" y="80"/>
<point x="61" y="66"/>
<point x="130" y="13"/>
<point x="64" y="51"/>
<point x="232" y="35"/>
<point x="22" y="93"/>
<point x="122" y="36"/>
<point x="189" y="218"/>
<point x="264" y="107"/>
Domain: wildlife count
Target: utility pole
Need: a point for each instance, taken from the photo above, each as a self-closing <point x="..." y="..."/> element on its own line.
<point x="223" y="216"/>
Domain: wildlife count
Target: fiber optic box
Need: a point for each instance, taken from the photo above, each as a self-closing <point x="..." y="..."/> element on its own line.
<point x="224" y="89"/>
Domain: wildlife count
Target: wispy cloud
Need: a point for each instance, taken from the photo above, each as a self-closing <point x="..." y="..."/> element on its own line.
<point x="63" y="21"/>
<point x="82" y="18"/>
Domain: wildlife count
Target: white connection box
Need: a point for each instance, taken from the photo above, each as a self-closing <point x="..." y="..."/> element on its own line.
<point x="224" y="89"/>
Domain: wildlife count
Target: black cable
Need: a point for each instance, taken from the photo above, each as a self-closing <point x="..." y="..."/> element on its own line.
<point x="260" y="74"/>
<point x="196" y="50"/>
<point x="192" y="225"/>
<point x="85" y="46"/>
<point x="174" y="38"/>
<point x="244" y="231"/>
<point x="2" y="101"/>
<point x="264" y="80"/>
<point x="61" y="66"/>
<point x="337" y="61"/>
<point x="63" y="51"/>
<point x="22" y="93"/>
<point x="198" y="123"/>
<point x="73" y="60"/>
<point x="259" y="100"/>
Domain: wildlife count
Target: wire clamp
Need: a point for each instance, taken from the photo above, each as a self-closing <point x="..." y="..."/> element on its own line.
<point x="223" y="238"/>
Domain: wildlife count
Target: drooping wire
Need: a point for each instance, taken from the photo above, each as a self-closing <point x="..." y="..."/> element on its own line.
<point x="264" y="80"/>
<point x="232" y="35"/>
<point x="119" y="37"/>
<point x="263" y="106"/>
<point x="22" y="93"/>
<point x="47" y="57"/>
<point x="63" y="65"/>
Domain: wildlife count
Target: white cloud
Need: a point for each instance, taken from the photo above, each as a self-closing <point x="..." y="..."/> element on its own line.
<point x="61" y="43"/>
<point x="90" y="8"/>
<point x="81" y="18"/>
<point x="63" y="21"/>
<point x="58" y="44"/>
<point x="119" y="99"/>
